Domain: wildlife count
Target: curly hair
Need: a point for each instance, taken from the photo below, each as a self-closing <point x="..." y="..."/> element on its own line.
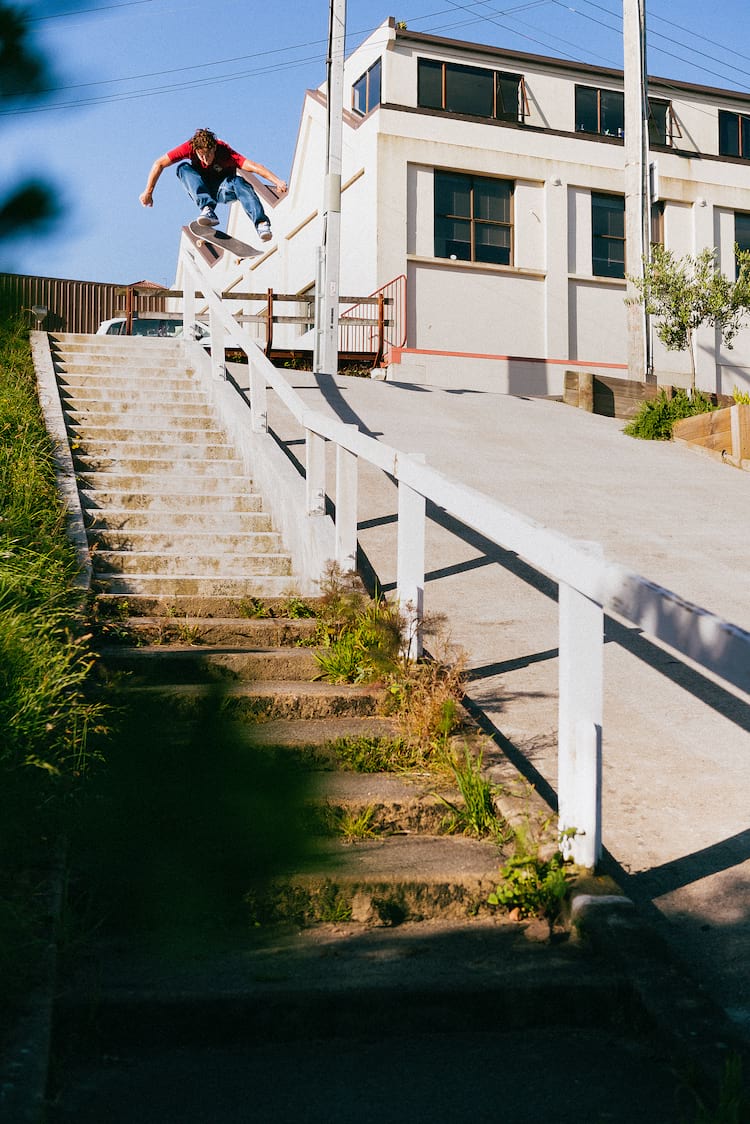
<point x="203" y="138"/>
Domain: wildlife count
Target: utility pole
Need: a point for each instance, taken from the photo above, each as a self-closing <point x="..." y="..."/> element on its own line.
<point x="637" y="189"/>
<point x="326" y="356"/>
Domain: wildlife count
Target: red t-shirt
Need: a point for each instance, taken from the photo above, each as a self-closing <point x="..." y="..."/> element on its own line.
<point x="225" y="162"/>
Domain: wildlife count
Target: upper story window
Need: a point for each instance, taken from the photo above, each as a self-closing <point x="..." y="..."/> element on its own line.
<point x="472" y="90"/>
<point x="734" y="134"/>
<point x="366" y="90"/>
<point x="607" y="235"/>
<point x="661" y="123"/>
<point x="600" y="111"/>
<point x="473" y="218"/>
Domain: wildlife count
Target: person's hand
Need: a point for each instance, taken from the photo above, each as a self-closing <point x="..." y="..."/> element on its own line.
<point x="282" y="188"/>
<point x="147" y="199"/>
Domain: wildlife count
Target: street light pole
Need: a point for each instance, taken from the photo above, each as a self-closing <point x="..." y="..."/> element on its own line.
<point x="327" y="278"/>
<point x="637" y="190"/>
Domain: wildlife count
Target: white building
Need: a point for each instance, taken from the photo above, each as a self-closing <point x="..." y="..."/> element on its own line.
<point x="493" y="182"/>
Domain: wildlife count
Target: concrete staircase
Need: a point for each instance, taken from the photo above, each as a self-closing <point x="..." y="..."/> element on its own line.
<point x="169" y="508"/>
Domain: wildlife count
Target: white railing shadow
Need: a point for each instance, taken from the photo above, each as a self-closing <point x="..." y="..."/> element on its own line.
<point x="589" y="585"/>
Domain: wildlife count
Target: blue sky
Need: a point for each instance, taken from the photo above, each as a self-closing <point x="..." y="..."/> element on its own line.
<point x="134" y="78"/>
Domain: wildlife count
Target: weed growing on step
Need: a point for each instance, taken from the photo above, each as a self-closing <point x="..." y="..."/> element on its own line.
<point x="375" y="755"/>
<point x="729" y="1105"/>
<point x="253" y="608"/>
<point x="188" y="633"/>
<point x="353" y="826"/>
<point x="477" y="815"/>
<point x="534" y="887"/>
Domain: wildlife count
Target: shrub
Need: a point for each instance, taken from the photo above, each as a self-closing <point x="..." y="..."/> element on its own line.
<point x="655" y="419"/>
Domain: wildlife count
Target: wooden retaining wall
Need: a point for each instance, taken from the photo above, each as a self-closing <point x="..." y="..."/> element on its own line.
<point x="616" y="397"/>
<point x="722" y="434"/>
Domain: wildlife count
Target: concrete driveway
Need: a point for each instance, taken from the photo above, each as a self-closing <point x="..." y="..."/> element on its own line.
<point x="676" y="786"/>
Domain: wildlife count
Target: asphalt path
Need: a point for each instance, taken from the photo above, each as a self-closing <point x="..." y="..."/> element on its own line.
<point x="676" y="772"/>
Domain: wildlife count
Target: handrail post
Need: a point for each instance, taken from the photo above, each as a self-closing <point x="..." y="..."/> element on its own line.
<point x="218" y="369"/>
<point x="269" y="323"/>
<point x="346" y="507"/>
<point x="188" y="302"/>
<point x="315" y="473"/>
<point x="258" y="398"/>
<point x="410" y="564"/>
<point x="381" y="331"/>
<point x="581" y="691"/>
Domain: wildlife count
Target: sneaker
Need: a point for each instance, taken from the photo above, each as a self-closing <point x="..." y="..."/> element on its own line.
<point x="208" y="217"/>
<point x="264" y="230"/>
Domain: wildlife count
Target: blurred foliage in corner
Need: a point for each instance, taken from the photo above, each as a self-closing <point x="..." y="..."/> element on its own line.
<point x="29" y="206"/>
<point x="186" y="818"/>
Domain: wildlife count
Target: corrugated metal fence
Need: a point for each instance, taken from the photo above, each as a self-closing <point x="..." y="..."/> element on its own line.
<point x="72" y="306"/>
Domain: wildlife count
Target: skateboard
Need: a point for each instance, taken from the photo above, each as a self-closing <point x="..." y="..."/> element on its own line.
<point x="212" y="236"/>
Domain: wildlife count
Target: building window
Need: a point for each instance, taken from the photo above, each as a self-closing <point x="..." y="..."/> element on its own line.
<point x="657" y="223"/>
<point x="660" y="124"/>
<point x="366" y="90"/>
<point x="473" y="218"/>
<point x="741" y="232"/>
<point x="607" y="235"/>
<point x="472" y="90"/>
<point x="734" y="134"/>
<point x="600" y="111"/>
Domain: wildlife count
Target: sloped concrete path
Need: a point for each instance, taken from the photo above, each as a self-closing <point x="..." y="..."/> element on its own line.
<point x="676" y="745"/>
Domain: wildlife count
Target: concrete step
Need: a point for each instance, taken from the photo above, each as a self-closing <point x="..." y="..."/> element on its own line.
<point x="140" y="399"/>
<point x="219" y="466"/>
<point x="209" y="564"/>
<point x="195" y="446"/>
<point x="198" y="662"/>
<point x="188" y="543"/>
<point x="176" y="589"/>
<point x="263" y="700"/>
<point x="244" y="606"/>
<point x="208" y="484"/>
<point x="109" y="414"/>
<point x="71" y="375"/>
<point x="233" y="631"/>
<point x="71" y="343"/>
<point x="146" y="429"/>
<point x="123" y="522"/>
<point x="145" y="498"/>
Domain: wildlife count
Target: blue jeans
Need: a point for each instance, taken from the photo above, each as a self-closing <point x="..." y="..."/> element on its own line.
<point x="226" y="191"/>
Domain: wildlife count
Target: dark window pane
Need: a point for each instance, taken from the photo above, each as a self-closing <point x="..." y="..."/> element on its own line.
<point x="453" y="195"/>
<point x="452" y="238"/>
<point x="492" y="244"/>
<point x="729" y="133"/>
<point x="608" y="235"/>
<point x="359" y="99"/>
<point x="744" y="136"/>
<point x="492" y="200"/>
<point x="430" y="84"/>
<point x="742" y="230"/>
<point x="469" y="90"/>
<point x="373" y="92"/>
<point x="587" y="110"/>
<point x="508" y="97"/>
<point x="613" y="113"/>
<point x="658" y="122"/>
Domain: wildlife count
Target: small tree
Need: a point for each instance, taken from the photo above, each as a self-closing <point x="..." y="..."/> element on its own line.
<point x="684" y="293"/>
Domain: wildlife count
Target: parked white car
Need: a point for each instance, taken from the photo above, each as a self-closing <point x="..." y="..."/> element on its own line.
<point x="164" y="326"/>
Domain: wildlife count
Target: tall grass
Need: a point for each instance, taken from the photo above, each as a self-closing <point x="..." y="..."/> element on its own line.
<point x="44" y="655"/>
<point x="46" y="721"/>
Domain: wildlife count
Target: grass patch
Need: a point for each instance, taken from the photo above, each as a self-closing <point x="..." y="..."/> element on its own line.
<point x="375" y="755"/>
<point x="477" y="815"/>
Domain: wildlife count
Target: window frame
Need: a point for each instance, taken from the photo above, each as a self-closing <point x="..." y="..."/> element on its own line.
<point x="447" y="68"/>
<point x="742" y="122"/>
<point x="475" y="221"/>
<point x="602" y="93"/>
<point x="597" y="239"/>
<point x="669" y="122"/>
<point x="366" y="78"/>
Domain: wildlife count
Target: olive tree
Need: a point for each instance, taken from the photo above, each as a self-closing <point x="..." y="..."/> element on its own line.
<point x="684" y="293"/>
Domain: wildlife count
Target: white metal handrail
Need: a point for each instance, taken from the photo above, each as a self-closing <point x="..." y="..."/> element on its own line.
<point x="589" y="585"/>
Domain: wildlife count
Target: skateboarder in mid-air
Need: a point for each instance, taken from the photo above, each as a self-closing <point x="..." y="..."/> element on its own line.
<point x="208" y="170"/>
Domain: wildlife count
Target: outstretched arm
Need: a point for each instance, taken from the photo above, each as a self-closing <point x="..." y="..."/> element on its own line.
<point x="147" y="197"/>
<point x="260" y="170"/>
